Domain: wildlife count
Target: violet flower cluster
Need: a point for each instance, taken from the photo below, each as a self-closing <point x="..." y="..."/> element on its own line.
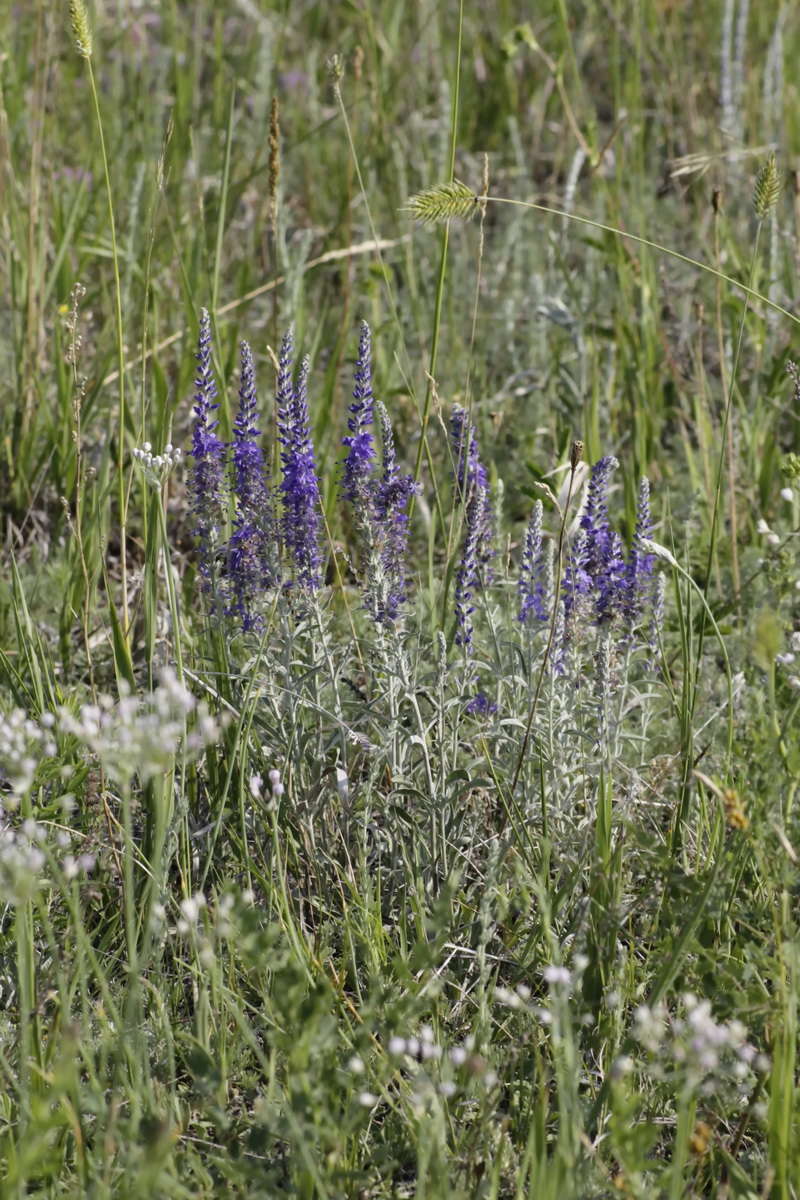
<point x="276" y="538"/>
<point x="600" y="587"/>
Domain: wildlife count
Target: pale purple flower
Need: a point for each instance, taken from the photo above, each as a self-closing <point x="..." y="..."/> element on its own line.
<point x="611" y="582"/>
<point x="594" y="519"/>
<point x="299" y="489"/>
<point x="394" y="492"/>
<point x="358" y="480"/>
<point x="253" y="549"/>
<point x="577" y="584"/>
<point x="532" y="590"/>
<point x="379" y="503"/>
<point x="639" y="580"/>
<point x="471" y="476"/>
<point x="467" y="578"/>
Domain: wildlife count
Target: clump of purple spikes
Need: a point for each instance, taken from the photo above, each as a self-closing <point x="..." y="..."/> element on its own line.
<point x="598" y="585"/>
<point x="301" y="523"/>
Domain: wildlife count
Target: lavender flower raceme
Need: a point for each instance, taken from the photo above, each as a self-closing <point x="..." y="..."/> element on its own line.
<point x="358" y="482"/>
<point x="252" y="550"/>
<point x="532" y="589"/>
<point x="595" y="580"/>
<point x="659" y="587"/>
<point x="640" y="564"/>
<point x="611" y="583"/>
<point x="471" y="475"/>
<point x="394" y="492"/>
<point x="595" y="517"/>
<point x="300" y="523"/>
<point x="207" y="485"/>
<point x="379" y="503"/>
<point x="577" y="583"/>
<point x="467" y="577"/>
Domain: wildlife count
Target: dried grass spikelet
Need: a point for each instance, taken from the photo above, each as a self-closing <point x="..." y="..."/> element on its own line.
<point x="767" y="190"/>
<point x="274" y="163"/>
<point x="443" y="202"/>
<point x="358" y="63"/>
<point x="81" y="27"/>
<point x="482" y="203"/>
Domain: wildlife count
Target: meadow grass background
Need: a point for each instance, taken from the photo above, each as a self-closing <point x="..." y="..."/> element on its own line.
<point x="405" y="977"/>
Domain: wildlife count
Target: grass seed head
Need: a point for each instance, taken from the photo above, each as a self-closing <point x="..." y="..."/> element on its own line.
<point x="81" y="27"/>
<point x="768" y="186"/>
<point x="443" y="202"/>
<point x="274" y="163"/>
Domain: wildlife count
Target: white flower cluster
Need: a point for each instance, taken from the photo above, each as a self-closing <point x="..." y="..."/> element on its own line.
<point x="23" y="744"/>
<point x="425" y="1048"/>
<point x="788" y="658"/>
<point x="157" y="467"/>
<point x="191" y="908"/>
<point x="773" y="539"/>
<point x="134" y="736"/>
<point x="705" y="1051"/>
<point x="23" y="858"/>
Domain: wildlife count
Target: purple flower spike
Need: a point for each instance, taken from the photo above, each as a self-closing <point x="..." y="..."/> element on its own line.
<point x="577" y="584"/>
<point x="640" y="564"/>
<point x="595" y="517"/>
<point x="300" y="524"/>
<point x="471" y="475"/>
<point x="207" y="487"/>
<point x="252" y="551"/>
<point x="394" y="492"/>
<point x="379" y="502"/>
<point x="358" y="482"/>
<point x="658" y="597"/>
<point x="467" y="578"/>
<point x="532" y="590"/>
<point x="479" y="705"/>
<point x="611" y="583"/>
